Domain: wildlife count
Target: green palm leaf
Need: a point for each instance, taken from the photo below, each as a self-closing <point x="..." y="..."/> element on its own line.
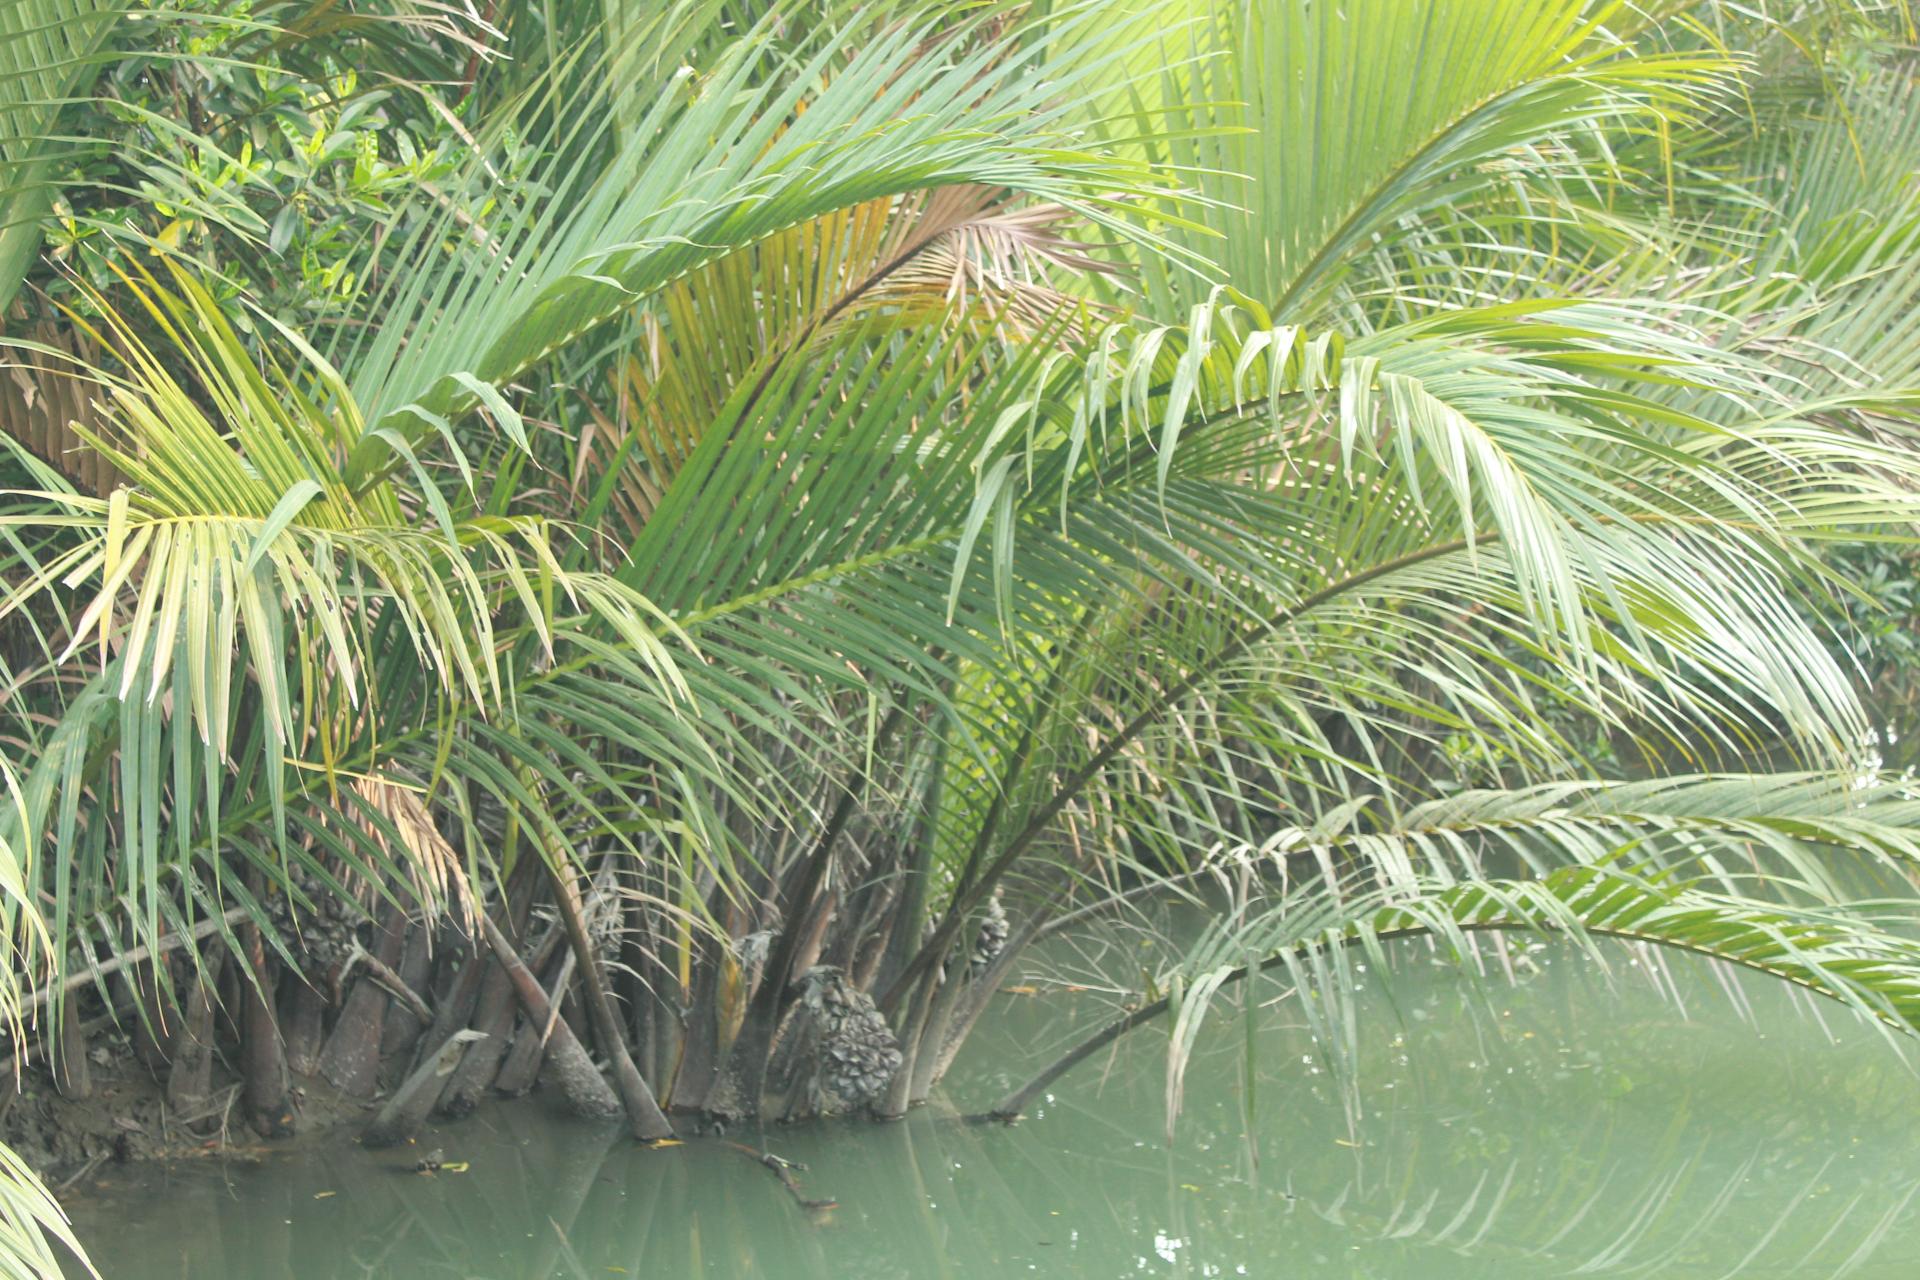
<point x="1859" y="955"/>
<point x="756" y="145"/>
<point x="47" y="50"/>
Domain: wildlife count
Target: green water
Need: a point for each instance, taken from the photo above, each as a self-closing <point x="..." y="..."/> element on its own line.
<point x="1555" y="1127"/>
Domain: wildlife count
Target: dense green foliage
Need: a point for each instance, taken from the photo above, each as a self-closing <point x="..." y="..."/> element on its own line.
<point x="872" y="485"/>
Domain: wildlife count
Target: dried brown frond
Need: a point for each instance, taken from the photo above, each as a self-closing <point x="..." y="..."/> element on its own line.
<point x="439" y="879"/>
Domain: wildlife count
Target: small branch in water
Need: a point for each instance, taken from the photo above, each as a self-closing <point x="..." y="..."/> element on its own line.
<point x="783" y="1170"/>
<point x="1016" y="1102"/>
<point x="93" y="1162"/>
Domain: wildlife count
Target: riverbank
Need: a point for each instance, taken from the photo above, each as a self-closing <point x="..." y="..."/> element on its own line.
<point x="121" y="1115"/>
<point x="373" y="1029"/>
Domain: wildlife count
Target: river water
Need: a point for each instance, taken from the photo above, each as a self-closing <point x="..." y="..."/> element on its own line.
<point x="1662" y="1121"/>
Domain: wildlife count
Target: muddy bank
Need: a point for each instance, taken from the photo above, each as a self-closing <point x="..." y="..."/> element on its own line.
<point x="125" y="1118"/>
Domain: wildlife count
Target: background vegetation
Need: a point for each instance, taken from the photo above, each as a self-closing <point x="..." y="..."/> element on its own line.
<point x="730" y="520"/>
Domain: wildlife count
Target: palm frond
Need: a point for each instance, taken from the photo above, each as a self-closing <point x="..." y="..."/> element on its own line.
<point x="47" y="49"/>
<point x="959" y="255"/>
<point x="269" y="641"/>
<point x="1860" y="955"/>
<point x="1323" y="132"/>
<point x="721" y="161"/>
<point x="29" y="1216"/>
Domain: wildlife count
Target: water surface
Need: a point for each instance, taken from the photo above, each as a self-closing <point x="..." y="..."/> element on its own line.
<point x="1674" y="1126"/>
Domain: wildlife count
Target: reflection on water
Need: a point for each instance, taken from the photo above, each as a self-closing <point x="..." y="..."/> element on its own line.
<point x="1553" y="1128"/>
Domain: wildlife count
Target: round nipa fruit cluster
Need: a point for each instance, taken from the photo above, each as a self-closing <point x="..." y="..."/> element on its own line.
<point x="992" y="938"/>
<point x="321" y="936"/>
<point x="858" y="1052"/>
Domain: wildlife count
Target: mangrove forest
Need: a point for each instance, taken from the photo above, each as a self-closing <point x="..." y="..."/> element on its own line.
<point x="959" y="638"/>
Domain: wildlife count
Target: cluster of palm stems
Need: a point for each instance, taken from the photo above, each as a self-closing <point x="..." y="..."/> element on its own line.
<point x="861" y="488"/>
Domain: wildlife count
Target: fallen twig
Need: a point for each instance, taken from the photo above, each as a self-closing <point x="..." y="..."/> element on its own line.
<point x="782" y="1169"/>
<point x="93" y="1162"/>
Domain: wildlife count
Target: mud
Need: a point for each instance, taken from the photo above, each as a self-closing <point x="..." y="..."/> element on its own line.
<point x="125" y="1117"/>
